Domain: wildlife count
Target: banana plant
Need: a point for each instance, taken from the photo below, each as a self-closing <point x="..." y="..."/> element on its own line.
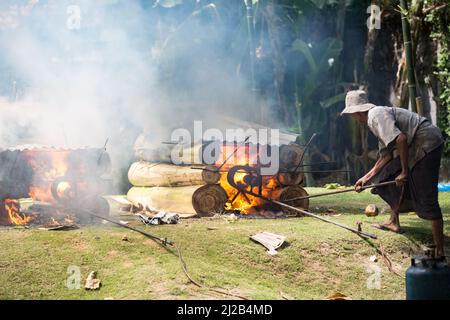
<point x="312" y="84"/>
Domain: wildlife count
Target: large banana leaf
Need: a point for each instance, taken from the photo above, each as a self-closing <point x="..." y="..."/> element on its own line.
<point x="302" y="47"/>
<point x="318" y="58"/>
<point x="332" y="100"/>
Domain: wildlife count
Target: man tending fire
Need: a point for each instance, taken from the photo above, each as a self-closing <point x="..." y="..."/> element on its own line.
<point x="410" y="149"/>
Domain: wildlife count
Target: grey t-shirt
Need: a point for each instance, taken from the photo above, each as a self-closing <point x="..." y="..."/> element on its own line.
<point x="387" y="123"/>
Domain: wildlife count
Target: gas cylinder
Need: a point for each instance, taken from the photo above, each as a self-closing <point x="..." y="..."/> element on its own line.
<point x="428" y="278"/>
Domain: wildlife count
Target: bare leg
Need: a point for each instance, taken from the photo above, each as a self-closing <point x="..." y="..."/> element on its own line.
<point x="437" y="227"/>
<point x="393" y="224"/>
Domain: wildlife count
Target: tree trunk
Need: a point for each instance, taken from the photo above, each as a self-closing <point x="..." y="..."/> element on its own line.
<point x="291" y="155"/>
<point x="290" y="178"/>
<point x="274" y="24"/>
<point x="209" y="199"/>
<point x="156" y="199"/>
<point x="291" y="192"/>
<point x="147" y="174"/>
<point x="334" y="137"/>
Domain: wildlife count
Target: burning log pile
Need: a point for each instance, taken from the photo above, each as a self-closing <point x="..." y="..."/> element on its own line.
<point x="58" y="181"/>
<point x="236" y="176"/>
<point x="204" y="190"/>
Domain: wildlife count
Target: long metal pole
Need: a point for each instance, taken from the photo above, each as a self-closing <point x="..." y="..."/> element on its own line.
<point x="307" y="213"/>
<point x="234" y="152"/>
<point x="409" y="55"/>
<point x="341" y="191"/>
<point x="304" y="151"/>
<point x="280" y="171"/>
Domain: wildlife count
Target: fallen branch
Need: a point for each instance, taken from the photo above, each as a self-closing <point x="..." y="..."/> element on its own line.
<point x="380" y="250"/>
<point x="165" y="243"/>
<point x="386" y="259"/>
<point x="198" y="284"/>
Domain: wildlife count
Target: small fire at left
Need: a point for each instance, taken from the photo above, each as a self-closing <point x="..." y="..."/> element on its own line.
<point x="11" y="210"/>
<point x="39" y="184"/>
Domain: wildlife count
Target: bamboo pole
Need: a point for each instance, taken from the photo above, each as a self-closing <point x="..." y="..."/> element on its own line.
<point x="249" y="8"/>
<point x="409" y="55"/>
<point x="251" y="47"/>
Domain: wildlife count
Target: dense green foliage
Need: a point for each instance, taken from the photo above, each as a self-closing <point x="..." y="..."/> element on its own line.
<point x="290" y="64"/>
<point x="440" y="20"/>
<point x="307" y="53"/>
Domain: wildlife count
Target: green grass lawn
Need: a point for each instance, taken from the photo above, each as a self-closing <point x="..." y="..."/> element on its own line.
<point x="318" y="260"/>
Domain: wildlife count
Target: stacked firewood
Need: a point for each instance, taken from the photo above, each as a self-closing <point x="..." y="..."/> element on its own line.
<point x="161" y="185"/>
<point x="197" y="189"/>
<point x="164" y="186"/>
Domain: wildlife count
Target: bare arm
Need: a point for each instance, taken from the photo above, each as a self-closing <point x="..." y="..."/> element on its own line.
<point x="402" y="147"/>
<point x="381" y="162"/>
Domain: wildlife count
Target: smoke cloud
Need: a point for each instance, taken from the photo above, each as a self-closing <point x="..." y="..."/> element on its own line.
<point x="76" y="73"/>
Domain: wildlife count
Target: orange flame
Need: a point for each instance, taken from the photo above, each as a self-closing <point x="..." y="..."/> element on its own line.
<point x="12" y="208"/>
<point x="41" y="193"/>
<point x="47" y="165"/>
<point x="242" y="156"/>
<point x="63" y="188"/>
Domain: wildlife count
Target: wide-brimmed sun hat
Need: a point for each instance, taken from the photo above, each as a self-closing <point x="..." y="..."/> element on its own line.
<point x="356" y="101"/>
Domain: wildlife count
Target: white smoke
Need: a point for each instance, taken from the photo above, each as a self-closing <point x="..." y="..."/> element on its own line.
<point x="76" y="73"/>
